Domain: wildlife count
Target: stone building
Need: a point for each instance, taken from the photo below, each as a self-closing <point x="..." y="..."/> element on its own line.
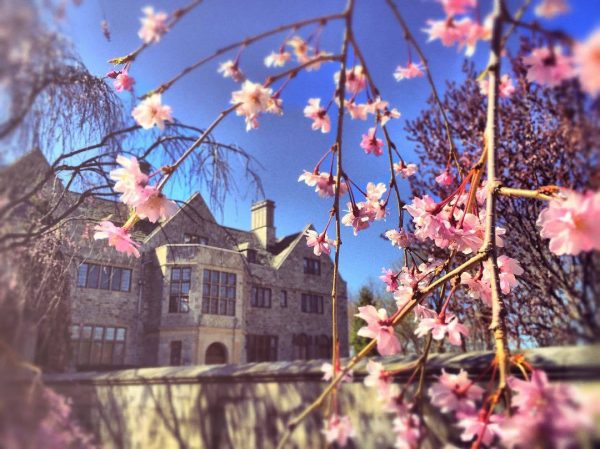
<point x="201" y="293"/>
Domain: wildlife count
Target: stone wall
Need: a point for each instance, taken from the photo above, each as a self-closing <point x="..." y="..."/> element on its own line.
<point x="247" y="406"/>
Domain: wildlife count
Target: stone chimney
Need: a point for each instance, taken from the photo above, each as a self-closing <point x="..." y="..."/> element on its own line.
<point x="263" y="222"/>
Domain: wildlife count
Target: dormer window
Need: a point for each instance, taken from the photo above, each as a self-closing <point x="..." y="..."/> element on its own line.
<point x="195" y="239"/>
<point x="312" y="266"/>
<point x="251" y="255"/>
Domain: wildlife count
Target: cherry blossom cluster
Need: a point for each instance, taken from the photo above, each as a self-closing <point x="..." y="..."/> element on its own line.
<point x="146" y="201"/>
<point x="461" y="26"/>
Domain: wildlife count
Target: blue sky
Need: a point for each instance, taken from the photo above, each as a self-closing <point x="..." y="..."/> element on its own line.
<point x="286" y="145"/>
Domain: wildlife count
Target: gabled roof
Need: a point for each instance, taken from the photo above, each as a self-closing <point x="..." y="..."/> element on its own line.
<point x="286" y="245"/>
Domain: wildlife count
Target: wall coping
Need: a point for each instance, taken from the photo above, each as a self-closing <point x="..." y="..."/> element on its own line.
<point x="573" y="363"/>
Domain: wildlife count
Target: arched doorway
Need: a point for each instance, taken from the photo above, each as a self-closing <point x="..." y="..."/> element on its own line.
<point x="216" y="354"/>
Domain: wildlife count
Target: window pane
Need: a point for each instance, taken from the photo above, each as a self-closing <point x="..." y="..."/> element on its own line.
<point x="206" y="276"/>
<point x="75" y="332"/>
<point x="213" y="306"/>
<point x="214" y="277"/>
<point x="223" y="278"/>
<point x="98" y="333"/>
<point x="121" y="334"/>
<point x="223" y="291"/>
<point x="93" y="274"/>
<point x="104" y="277"/>
<point x="82" y="275"/>
<point x="109" y="335"/>
<point x="231" y="292"/>
<point x="231" y="279"/>
<point x="185" y="287"/>
<point x="87" y="332"/>
<point x="206" y="290"/>
<point x="186" y="274"/>
<point x="214" y="290"/>
<point x="175" y="274"/>
<point x="116" y="278"/>
<point x="223" y="307"/>
<point x="125" y="280"/>
<point x="231" y="308"/>
<point x="175" y="288"/>
<point x="205" y="305"/>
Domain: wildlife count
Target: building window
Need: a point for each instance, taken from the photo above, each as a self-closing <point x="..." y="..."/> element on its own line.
<point x="179" y="294"/>
<point x="104" y="277"/>
<point x="94" y="345"/>
<point x="301" y="346"/>
<point x="312" y="303"/>
<point x="251" y="255"/>
<point x="283" y="298"/>
<point x="260" y="297"/>
<point x="308" y="347"/>
<point x="312" y="266"/>
<point x="261" y="348"/>
<point x="175" y="353"/>
<point x="194" y="238"/>
<point x="218" y="293"/>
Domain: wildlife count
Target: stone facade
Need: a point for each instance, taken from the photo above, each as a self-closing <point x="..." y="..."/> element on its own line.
<point x="200" y="293"/>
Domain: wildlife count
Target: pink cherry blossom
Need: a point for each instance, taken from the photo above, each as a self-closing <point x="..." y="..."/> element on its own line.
<point x="401" y="238"/>
<point x="300" y="49"/>
<point x="320" y="243"/>
<point x="390" y="279"/>
<point x="445" y="178"/>
<point x="508" y="268"/>
<point x="412" y="70"/>
<point x="587" y="58"/>
<point x="356" y="111"/>
<point x="356" y="79"/>
<point x="455" y="392"/>
<point x="152" y="112"/>
<point x="571" y="222"/>
<point x="359" y="217"/>
<point x="371" y="144"/>
<point x="375" y="191"/>
<point x="405" y="170"/>
<point x="377" y="378"/>
<point x="454" y="7"/>
<point x="154" y="25"/>
<point x="379" y="328"/>
<point x="117" y="237"/>
<point x="323" y="183"/>
<point x="475" y="425"/>
<point x="130" y="181"/>
<point x="478" y="288"/>
<point x="318" y="114"/>
<point x="551" y="8"/>
<point x="505" y="88"/>
<point x="156" y="207"/>
<point x="327" y="369"/>
<point x="442" y="326"/>
<point x="277" y="59"/>
<point x="231" y="69"/>
<point x="445" y="31"/>
<point x="544" y="413"/>
<point x="338" y="429"/>
<point x="407" y="428"/>
<point x="389" y="114"/>
<point x="471" y="32"/>
<point x="254" y="99"/>
<point x="376" y="106"/>
<point x="123" y="82"/>
<point x="548" y="67"/>
<point x="403" y="295"/>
